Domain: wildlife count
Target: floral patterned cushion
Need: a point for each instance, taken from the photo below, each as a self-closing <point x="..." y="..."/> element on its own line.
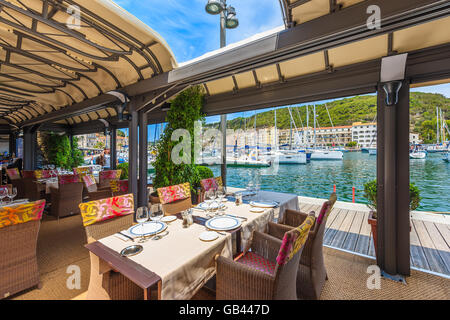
<point x="104" y="209"/>
<point x="83" y="171"/>
<point x="6" y="187"/>
<point x="88" y="180"/>
<point x="68" y="178"/>
<point x="208" y="184"/>
<point x="174" y="193"/>
<point x="326" y="209"/>
<point x="110" y="174"/>
<point x="258" y="262"/>
<point x="294" y="240"/>
<point x="219" y="181"/>
<point x="13" y="173"/>
<point x="21" y="213"/>
<point x="118" y="185"/>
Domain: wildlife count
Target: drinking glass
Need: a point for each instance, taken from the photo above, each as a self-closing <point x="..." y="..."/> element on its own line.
<point x="141" y="217"/>
<point x="156" y="212"/>
<point x="13" y="194"/>
<point x="3" y="194"/>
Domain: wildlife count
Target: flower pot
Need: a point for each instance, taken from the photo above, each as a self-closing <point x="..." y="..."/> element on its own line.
<point x="373" y="225"/>
<point x="153" y="198"/>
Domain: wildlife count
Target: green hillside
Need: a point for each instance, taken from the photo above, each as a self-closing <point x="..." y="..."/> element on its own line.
<point x="349" y="110"/>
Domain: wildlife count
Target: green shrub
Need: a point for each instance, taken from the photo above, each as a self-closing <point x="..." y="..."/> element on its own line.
<point x="56" y="149"/>
<point x="204" y="172"/>
<point x="370" y="193"/>
<point x="124" y="168"/>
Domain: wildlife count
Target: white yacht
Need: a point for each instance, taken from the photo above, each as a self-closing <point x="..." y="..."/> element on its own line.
<point x="323" y="154"/>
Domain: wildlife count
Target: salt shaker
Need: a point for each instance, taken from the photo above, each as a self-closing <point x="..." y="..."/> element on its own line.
<point x="238" y="198"/>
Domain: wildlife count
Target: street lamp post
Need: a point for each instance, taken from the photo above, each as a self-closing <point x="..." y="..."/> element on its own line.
<point x="228" y="20"/>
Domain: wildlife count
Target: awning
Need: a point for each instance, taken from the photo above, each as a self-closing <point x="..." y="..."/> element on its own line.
<point x="49" y="59"/>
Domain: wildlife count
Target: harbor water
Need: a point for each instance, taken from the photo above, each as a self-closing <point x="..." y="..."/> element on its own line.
<point x="316" y="179"/>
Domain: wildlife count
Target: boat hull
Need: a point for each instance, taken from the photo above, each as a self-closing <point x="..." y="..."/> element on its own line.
<point x="417" y="155"/>
<point x="327" y="155"/>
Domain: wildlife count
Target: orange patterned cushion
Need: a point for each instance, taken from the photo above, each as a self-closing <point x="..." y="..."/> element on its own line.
<point x="294" y="240"/>
<point x="208" y="184"/>
<point x="110" y="174"/>
<point x="118" y="185"/>
<point x="104" y="209"/>
<point x="13" y="173"/>
<point x="88" y="180"/>
<point x="257" y="262"/>
<point x="21" y="213"/>
<point x="174" y="193"/>
<point x="68" y="178"/>
<point x="83" y="171"/>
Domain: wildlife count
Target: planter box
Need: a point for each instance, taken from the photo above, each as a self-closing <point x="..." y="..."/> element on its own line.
<point x="373" y="225"/>
<point x="153" y="198"/>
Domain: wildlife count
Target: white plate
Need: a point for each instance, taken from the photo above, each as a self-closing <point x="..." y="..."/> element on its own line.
<point x="257" y="210"/>
<point x="148" y="228"/>
<point x="204" y="205"/>
<point x="168" y="218"/>
<point x="222" y="223"/>
<point x="208" y="236"/>
<point x="263" y="204"/>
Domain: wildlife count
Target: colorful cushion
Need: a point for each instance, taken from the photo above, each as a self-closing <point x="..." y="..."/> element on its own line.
<point x="208" y="184"/>
<point x="21" y="213"/>
<point x="257" y="262"/>
<point x="83" y="171"/>
<point x="104" y="209"/>
<point x="68" y="178"/>
<point x="219" y="181"/>
<point x="7" y="187"/>
<point x="28" y="174"/>
<point x="174" y="193"/>
<point x="326" y="209"/>
<point x="110" y="174"/>
<point x="13" y="173"/>
<point x="88" y="180"/>
<point x="118" y="185"/>
<point x="294" y="240"/>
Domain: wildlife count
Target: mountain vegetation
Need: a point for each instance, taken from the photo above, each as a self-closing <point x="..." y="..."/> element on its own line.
<point x="348" y="110"/>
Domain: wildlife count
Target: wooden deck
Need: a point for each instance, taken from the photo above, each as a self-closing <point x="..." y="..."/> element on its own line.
<point x="347" y="229"/>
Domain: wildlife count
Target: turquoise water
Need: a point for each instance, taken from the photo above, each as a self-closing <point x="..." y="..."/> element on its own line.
<point x="316" y="179"/>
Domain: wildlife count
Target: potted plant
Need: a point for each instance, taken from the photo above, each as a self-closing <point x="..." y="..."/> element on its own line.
<point x="185" y="110"/>
<point x="370" y="193"/>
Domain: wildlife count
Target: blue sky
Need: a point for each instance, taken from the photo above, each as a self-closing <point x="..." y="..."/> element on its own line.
<point x="190" y="31"/>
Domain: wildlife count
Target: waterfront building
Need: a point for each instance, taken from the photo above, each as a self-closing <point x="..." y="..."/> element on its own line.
<point x="365" y="134"/>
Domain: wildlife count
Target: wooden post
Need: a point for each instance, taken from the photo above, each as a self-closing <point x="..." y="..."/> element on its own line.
<point x="133" y="151"/>
<point x="29" y="148"/>
<point x="12" y="144"/>
<point x="143" y="157"/>
<point x="393" y="243"/>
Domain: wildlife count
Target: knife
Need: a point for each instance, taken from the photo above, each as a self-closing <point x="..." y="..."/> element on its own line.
<point x="243" y="218"/>
<point x="126" y="236"/>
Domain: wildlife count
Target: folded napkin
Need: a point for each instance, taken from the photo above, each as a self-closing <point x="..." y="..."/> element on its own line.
<point x="124" y="238"/>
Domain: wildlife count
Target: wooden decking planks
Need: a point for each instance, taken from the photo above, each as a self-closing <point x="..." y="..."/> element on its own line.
<point x="349" y="230"/>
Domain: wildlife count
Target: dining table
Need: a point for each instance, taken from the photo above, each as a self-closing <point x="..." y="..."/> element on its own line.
<point x="178" y="264"/>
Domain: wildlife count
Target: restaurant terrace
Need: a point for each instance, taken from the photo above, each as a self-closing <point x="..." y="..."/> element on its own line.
<point x="113" y="72"/>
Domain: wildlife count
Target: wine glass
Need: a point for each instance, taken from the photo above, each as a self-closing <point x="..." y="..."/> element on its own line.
<point x="156" y="212"/>
<point x="141" y="217"/>
<point x="13" y="194"/>
<point x="221" y="193"/>
<point x="210" y="196"/>
<point x="3" y="194"/>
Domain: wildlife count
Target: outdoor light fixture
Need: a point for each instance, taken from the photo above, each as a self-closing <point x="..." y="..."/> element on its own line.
<point x="393" y="70"/>
<point x="120" y="109"/>
<point x="214" y="6"/>
<point x="228" y="18"/>
<point x="106" y="123"/>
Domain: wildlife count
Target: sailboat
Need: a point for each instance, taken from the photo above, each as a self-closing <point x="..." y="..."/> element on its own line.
<point x="417" y="153"/>
<point x="322" y="153"/>
<point x="290" y="156"/>
<point x="441" y="127"/>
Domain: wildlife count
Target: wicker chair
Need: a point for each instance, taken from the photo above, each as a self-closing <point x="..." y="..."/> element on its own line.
<point x="312" y="273"/>
<point x="91" y="190"/>
<point x="268" y="271"/>
<point x="19" y="227"/>
<point x="106" y="285"/>
<point x="175" y="199"/>
<point x="107" y="175"/>
<point x="119" y="187"/>
<point x="207" y="184"/>
<point x="65" y="199"/>
<point x="31" y="190"/>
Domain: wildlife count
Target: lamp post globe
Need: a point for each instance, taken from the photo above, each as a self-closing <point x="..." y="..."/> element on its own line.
<point x="214" y="6"/>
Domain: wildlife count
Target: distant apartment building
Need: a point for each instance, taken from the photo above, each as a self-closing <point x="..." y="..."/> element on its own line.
<point x="91" y="141"/>
<point x="414" y="138"/>
<point x="365" y="134"/>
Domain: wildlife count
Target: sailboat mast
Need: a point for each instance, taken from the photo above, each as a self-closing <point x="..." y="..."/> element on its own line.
<point x="307" y="126"/>
<point x="437" y="125"/>
<point x="276" y="132"/>
<point x="314" y="125"/>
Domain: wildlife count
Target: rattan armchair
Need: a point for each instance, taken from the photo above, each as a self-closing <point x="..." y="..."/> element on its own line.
<point x="106" y="284"/>
<point x="19" y="227"/>
<point x="65" y="199"/>
<point x="312" y="274"/>
<point x="91" y="190"/>
<point x="175" y="199"/>
<point x="266" y="271"/>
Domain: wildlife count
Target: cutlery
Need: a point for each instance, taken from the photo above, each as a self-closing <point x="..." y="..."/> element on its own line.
<point x="126" y="236"/>
<point x="243" y="218"/>
<point x="222" y="233"/>
<point x="160" y="236"/>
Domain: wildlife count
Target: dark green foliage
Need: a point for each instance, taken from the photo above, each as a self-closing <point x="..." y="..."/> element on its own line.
<point x="351" y="144"/>
<point x="184" y="111"/>
<point x="370" y="193"/>
<point x="124" y="168"/>
<point x="205" y="172"/>
<point x="56" y="150"/>
<point x="354" y="109"/>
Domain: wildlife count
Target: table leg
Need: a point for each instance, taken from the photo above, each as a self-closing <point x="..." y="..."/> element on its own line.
<point x="148" y="292"/>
